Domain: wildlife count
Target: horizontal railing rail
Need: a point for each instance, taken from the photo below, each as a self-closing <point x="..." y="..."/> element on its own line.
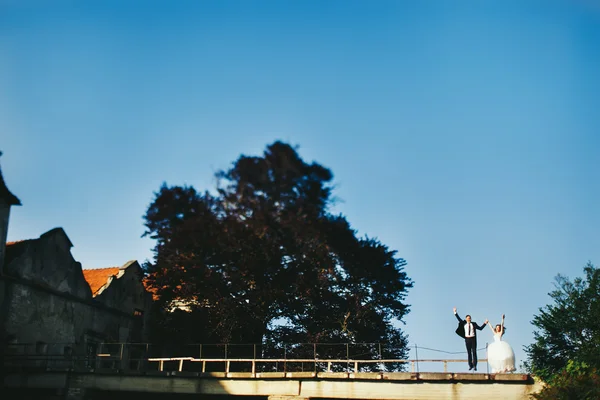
<point x="254" y="362"/>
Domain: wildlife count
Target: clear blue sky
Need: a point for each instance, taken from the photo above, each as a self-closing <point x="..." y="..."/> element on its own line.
<point x="466" y="135"/>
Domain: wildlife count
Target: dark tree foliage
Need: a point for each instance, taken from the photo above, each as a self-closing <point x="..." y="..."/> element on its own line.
<point x="577" y="381"/>
<point x="569" y="329"/>
<point x="263" y="260"/>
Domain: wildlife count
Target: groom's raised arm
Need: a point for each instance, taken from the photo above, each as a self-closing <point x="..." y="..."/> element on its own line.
<point x="456" y="315"/>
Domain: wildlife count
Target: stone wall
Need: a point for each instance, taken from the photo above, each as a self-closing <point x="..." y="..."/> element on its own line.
<point x="35" y="313"/>
<point x="46" y="297"/>
<point x="4" y="215"/>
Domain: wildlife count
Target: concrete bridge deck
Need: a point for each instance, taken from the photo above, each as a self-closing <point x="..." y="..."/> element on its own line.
<point x="282" y="385"/>
<point x="117" y="374"/>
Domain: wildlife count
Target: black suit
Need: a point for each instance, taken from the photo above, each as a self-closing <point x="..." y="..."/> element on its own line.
<point x="470" y="342"/>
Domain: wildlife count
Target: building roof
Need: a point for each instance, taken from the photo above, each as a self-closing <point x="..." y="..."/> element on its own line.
<point x="97" y="278"/>
<point x="57" y="231"/>
<point x="5" y="194"/>
<point x="16" y="242"/>
<point x="14" y="248"/>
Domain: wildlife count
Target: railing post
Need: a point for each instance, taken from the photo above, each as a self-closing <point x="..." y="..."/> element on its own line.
<point x="347" y="357"/>
<point x="417" y="357"/>
<point x="254" y="362"/>
<point x="146" y="357"/>
<point x="487" y="365"/>
<point x="445" y="366"/>
<point x="315" y="355"/>
<point x="121" y="357"/>
<point x="97" y="359"/>
<point x="284" y="358"/>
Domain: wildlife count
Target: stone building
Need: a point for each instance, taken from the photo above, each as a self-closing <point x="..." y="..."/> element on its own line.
<point x="46" y="296"/>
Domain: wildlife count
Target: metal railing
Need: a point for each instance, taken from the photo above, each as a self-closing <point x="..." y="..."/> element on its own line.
<point x="254" y="363"/>
<point x="203" y="358"/>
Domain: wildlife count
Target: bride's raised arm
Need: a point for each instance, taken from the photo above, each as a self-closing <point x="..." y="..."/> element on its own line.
<point x="491" y="327"/>
<point x="502" y="326"/>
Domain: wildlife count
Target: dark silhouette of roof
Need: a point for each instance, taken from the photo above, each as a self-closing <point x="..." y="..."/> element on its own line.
<point x="5" y="194"/>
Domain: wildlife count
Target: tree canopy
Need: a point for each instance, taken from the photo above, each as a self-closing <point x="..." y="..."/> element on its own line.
<point x="577" y="380"/>
<point x="262" y="258"/>
<point x="568" y="330"/>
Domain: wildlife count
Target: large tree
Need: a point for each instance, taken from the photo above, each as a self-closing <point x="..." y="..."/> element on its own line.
<point x="568" y="330"/>
<point x="263" y="259"/>
<point x="577" y="380"/>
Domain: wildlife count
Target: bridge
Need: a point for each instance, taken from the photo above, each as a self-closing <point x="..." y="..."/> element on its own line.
<point x="116" y="374"/>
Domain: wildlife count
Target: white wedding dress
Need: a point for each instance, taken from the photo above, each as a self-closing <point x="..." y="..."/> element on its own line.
<point x="501" y="357"/>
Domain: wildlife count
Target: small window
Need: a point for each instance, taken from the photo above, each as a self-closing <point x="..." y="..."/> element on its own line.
<point x="138" y="313"/>
<point x="41" y="347"/>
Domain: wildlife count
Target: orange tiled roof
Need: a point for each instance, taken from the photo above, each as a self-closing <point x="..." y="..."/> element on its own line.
<point x="97" y="278"/>
<point x="15" y="242"/>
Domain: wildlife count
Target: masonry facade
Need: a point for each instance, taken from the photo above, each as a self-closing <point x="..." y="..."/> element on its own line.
<point x="47" y="298"/>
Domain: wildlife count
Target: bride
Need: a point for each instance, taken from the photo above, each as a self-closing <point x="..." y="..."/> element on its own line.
<point x="501" y="356"/>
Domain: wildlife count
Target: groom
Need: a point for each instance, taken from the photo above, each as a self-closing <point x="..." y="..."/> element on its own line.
<point x="468" y="331"/>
